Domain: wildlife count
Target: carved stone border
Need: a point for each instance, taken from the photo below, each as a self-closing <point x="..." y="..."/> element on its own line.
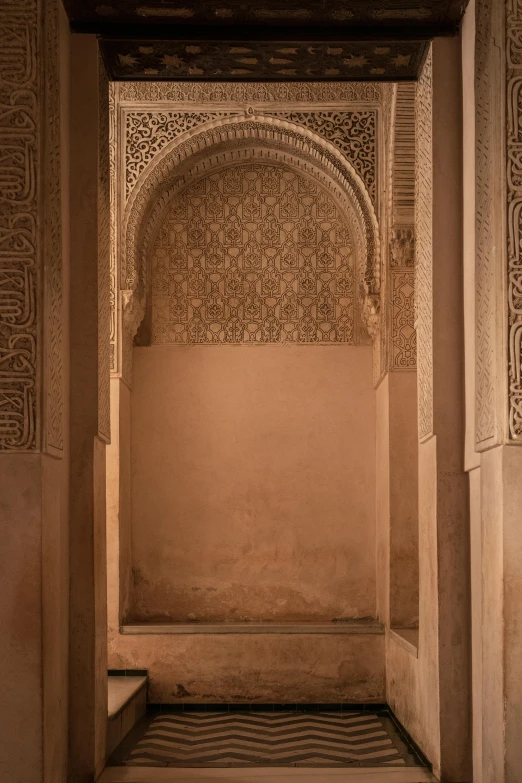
<point x="20" y="238"/>
<point x="256" y="92"/>
<point x="514" y="216"/>
<point x="424" y="254"/>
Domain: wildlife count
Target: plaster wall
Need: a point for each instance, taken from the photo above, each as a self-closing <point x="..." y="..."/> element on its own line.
<point x="253" y="483"/>
<point x="265" y="668"/>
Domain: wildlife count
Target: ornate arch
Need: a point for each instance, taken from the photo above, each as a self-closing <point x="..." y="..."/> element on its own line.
<point x="225" y="140"/>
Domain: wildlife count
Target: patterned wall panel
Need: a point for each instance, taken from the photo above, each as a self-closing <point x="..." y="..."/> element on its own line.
<point x="19" y="245"/>
<point x="104" y="259"/>
<point x="514" y="217"/>
<point x="403" y="333"/>
<point x="424" y="251"/>
<point x="214" y="60"/>
<point x="254" y="253"/>
<point x="403" y="339"/>
<point x="53" y="366"/>
<point x="256" y="92"/>
<point x="488" y="128"/>
<point x="352" y="132"/>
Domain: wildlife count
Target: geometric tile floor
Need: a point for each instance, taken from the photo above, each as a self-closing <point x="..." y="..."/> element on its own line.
<point x="284" y="739"/>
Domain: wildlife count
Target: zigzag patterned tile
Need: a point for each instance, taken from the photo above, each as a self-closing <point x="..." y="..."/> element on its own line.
<point x="269" y="739"/>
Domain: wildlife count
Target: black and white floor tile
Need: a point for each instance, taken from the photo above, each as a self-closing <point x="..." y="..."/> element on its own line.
<point x="243" y="739"/>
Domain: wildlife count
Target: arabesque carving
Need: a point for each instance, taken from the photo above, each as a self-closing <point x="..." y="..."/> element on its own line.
<point x="248" y="93"/>
<point x="53" y="369"/>
<point x="488" y="218"/>
<point x="424" y="251"/>
<point x="19" y="224"/>
<point x="254" y="253"/>
<point x="403" y="334"/>
<point x="228" y="137"/>
<point x="352" y="132"/>
<point x="514" y="217"/>
<point x="339" y="145"/>
<point x="148" y="132"/>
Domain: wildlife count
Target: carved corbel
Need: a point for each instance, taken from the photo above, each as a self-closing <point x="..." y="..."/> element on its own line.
<point x="402" y="247"/>
<point x="371" y="313"/>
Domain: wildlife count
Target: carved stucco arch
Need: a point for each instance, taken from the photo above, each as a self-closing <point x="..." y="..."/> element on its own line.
<point x="223" y="141"/>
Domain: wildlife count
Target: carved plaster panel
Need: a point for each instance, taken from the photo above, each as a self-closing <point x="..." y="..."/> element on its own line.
<point x="104" y="260"/>
<point x="488" y="219"/>
<point x="114" y="328"/>
<point x="514" y="218"/>
<point x="254" y="253"/>
<point x="352" y="132"/>
<point x="424" y="252"/>
<point x="267" y="133"/>
<point x="248" y="94"/>
<point x="403" y="334"/>
<point x="19" y="225"/>
<point x="162" y="143"/>
<point x="53" y="369"/>
<point x="148" y="132"/>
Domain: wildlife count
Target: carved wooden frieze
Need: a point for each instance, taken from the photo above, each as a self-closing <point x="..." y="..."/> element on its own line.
<point x="19" y="225"/>
<point x="294" y="13"/>
<point x="255" y="60"/>
<point x="254" y="253"/>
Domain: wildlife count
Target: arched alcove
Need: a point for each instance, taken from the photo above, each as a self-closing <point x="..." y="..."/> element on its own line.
<point x="237" y="454"/>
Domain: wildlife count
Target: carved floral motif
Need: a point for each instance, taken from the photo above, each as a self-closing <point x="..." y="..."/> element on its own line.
<point x="256" y="92"/>
<point x="352" y="132"/>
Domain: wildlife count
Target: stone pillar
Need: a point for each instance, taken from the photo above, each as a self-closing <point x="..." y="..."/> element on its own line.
<point x="496" y="422"/>
<point x="34" y="258"/>
<point x="442" y="484"/>
<point x="430" y="692"/>
<point x="90" y="414"/>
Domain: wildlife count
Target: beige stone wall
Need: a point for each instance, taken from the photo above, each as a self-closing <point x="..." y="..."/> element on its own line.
<point x="253" y="483"/>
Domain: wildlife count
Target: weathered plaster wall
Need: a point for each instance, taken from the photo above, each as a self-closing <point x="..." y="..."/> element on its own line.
<point x="264" y="668"/>
<point x="253" y="483"/>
